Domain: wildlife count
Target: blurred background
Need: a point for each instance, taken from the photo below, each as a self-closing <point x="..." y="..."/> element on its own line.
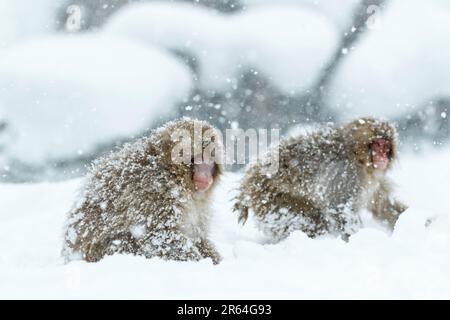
<point x="79" y="77"/>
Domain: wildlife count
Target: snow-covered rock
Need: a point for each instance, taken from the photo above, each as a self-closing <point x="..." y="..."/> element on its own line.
<point x="22" y="19"/>
<point x="400" y="65"/>
<point x="65" y="95"/>
<point x="288" y="44"/>
<point x="339" y="12"/>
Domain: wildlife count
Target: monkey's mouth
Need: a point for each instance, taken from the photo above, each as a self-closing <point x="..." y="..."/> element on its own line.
<point x="202" y="184"/>
<point x="380" y="152"/>
<point x="380" y="161"/>
<point x="202" y="175"/>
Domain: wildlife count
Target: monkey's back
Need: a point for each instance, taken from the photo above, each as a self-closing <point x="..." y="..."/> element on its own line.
<point x="306" y="193"/>
<point x="130" y="203"/>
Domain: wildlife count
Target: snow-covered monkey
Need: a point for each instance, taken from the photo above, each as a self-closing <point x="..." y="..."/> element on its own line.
<point x="150" y="198"/>
<point x="323" y="180"/>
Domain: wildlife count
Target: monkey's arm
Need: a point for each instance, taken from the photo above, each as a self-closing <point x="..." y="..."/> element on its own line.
<point x="242" y="209"/>
<point x="167" y="238"/>
<point x="170" y="244"/>
<point x="384" y="208"/>
<point x="208" y="250"/>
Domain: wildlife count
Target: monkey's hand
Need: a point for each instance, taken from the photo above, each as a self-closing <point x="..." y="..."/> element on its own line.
<point x="208" y="250"/>
<point x="389" y="211"/>
<point x="399" y="207"/>
<point x="242" y="210"/>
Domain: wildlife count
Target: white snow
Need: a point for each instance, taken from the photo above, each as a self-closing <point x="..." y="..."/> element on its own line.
<point x="288" y="44"/>
<point x="400" y="65"/>
<point x="339" y="12"/>
<point x="65" y="95"/>
<point x="22" y="19"/>
<point x="413" y="262"/>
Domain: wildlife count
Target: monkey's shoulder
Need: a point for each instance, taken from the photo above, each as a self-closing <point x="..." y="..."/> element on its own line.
<point x="132" y="161"/>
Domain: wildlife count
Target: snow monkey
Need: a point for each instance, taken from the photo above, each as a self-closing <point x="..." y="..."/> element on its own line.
<point x="150" y="198"/>
<point x="323" y="180"/>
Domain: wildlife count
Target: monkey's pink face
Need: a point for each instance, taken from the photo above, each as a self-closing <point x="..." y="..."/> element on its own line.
<point x="203" y="176"/>
<point x="381" y="153"/>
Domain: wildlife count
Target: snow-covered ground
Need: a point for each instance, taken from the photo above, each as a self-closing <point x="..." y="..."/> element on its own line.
<point x="414" y="262"/>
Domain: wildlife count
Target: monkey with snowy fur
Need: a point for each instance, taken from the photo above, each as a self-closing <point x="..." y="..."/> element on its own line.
<point x="323" y="180"/>
<point x="150" y="198"/>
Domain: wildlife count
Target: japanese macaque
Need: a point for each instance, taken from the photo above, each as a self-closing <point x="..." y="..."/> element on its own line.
<point x="150" y="198"/>
<point x="323" y="180"/>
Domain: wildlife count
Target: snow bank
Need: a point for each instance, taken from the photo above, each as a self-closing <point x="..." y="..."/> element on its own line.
<point x="288" y="44"/>
<point x="412" y="263"/>
<point x="65" y="95"/>
<point x="339" y="12"/>
<point x="399" y="66"/>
